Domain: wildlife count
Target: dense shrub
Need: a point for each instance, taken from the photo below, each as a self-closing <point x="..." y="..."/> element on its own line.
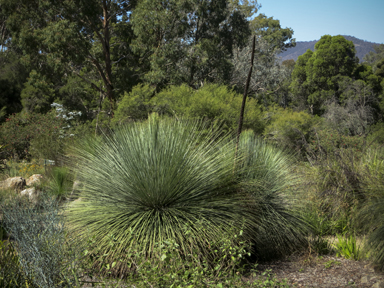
<point x="26" y="135"/>
<point x="376" y="133"/>
<point x="212" y="102"/>
<point x="288" y="128"/>
<point x="26" y="170"/>
<point x="3" y="164"/>
<point x="352" y="119"/>
<point x="134" y="105"/>
<point x="335" y="190"/>
<point x="337" y="179"/>
<point x="371" y="216"/>
<point x="11" y="272"/>
<point x="326" y="141"/>
<point x="51" y="145"/>
<point x="165" y="268"/>
<point x="19" y="129"/>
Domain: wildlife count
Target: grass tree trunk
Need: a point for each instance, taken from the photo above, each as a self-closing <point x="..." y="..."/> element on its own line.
<point x="241" y="119"/>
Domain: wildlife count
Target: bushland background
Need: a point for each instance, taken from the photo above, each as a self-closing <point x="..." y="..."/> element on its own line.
<point x="73" y="69"/>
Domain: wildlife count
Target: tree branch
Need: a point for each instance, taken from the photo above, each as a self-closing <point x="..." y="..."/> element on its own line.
<point x="94" y="86"/>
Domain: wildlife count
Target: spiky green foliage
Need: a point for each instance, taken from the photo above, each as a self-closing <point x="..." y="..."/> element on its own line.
<point x="266" y="175"/>
<point x="153" y="181"/>
<point x="60" y="182"/>
<point x="347" y="247"/>
<point x="150" y="181"/>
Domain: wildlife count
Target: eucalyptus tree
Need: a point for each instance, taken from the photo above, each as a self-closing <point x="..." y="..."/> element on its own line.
<point x="374" y="57"/>
<point x="12" y="77"/>
<point x="317" y="75"/>
<point x="73" y="37"/>
<point x="189" y="41"/>
<point x="299" y="86"/>
<point x="270" y="77"/>
<point x="4" y="32"/>
<point x="270" y="30"/>
<point x="268" y="73"/>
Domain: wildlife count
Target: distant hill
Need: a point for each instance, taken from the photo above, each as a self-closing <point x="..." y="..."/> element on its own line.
<point x="362" y="48"/>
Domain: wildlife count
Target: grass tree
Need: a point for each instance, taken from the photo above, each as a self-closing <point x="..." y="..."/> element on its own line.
<point x="150" y="181"/>
<point x="266" y="175"/>
<point x="164" y="179"/>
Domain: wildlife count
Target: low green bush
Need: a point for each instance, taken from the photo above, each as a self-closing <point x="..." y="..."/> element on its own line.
<point x="326" y="142"/>
<point x="320" y="245"/>
<point x="345" y="195"/>
<point x="11" y="272"/>
<point x="3" y="161"/>
<point x="135" y="105"/>
<point x="212" y="102"/>
<point x="47" y="255"/>
<point x="26" y="169"/>
<point x="321" y="226"/>
<point x="22" y="169"/>
<point x="347" y="247"/>
<point x="374" y="212"/>
<point x="229" y="266"/>
<point x="34" y="135"/>
<point x="371" y="215"/>
<point x="52" y="145"/>
<point x="19" y="129"/>
<point x="335" y="178"/>
<point x="376" y="133"/>
<point x="288" y="128"/>
<point x="166" y="268"/>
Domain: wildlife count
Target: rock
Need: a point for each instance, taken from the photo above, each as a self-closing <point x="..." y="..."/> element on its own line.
<point x="77" y="187"/>
<point x="379" y="284"/>
<point x="75" y="203"/>
<point x="16" y="183"/>
<point x="365" y="279"/>
<point x="34" y="180"/>
<point x="32" y="193"/>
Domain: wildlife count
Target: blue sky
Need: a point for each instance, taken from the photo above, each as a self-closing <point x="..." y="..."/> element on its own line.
<point x="311" y="19"/>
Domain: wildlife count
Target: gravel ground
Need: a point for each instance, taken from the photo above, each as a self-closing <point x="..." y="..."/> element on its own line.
<point x="325" y="271"/>
<point x="320" y="271"/>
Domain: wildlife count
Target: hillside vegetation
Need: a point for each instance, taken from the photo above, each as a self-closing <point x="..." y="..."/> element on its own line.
<point x="362" y="48"/>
